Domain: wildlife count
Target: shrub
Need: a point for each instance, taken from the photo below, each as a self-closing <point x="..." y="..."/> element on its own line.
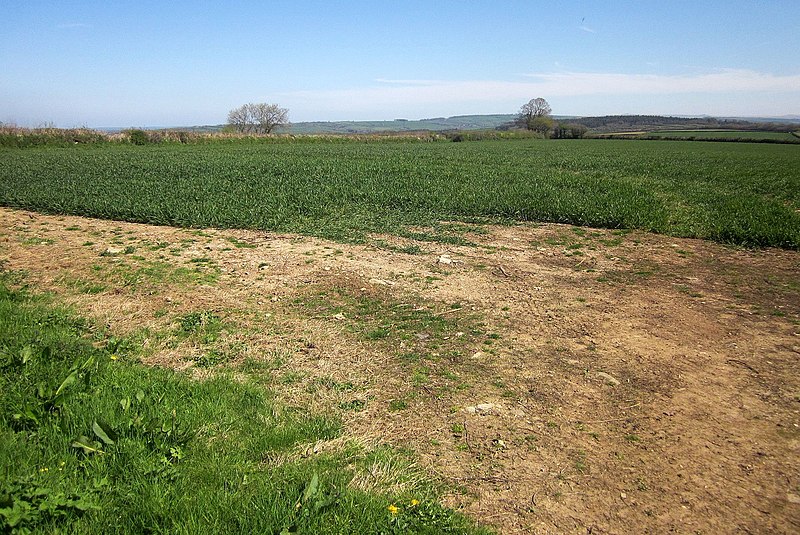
<point x="137" y="136"/>
<point x="18" y="137"/>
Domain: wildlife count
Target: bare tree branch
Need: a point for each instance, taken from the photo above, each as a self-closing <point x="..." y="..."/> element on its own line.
<point x="258" y="118"/>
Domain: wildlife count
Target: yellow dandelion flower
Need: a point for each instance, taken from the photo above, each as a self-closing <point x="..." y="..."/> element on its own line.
<point x="45" y="469"/>
<point x="414" y="502"/>
<point x="114" y="357"/>
<point x="393" y="509"/>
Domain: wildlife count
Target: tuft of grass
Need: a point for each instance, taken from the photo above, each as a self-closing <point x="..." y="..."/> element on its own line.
<point x="398" y="405"/>
<point x="239" y="244"/>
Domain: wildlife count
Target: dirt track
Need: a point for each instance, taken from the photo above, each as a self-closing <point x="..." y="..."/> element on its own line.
<point x="561" y="380"/>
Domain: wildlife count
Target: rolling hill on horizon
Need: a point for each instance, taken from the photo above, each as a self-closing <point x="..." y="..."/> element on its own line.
<point x="606" y="123"/>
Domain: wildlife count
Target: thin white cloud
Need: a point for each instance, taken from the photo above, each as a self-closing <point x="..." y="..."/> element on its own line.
<point x="431" y="93"/>
<point x="722" y="81"/>
<point x="586" y="29"/>
<point x="408" y="82"/>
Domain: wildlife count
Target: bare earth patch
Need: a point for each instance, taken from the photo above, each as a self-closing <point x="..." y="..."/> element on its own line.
<point x="559" y="379"/>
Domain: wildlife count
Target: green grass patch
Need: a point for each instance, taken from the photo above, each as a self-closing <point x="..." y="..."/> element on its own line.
<point x="412" y="249"/>
<point x="423" y="326"/>
<point x="138" y="274"/>
<point x="429" y="339"/>
<point x="88" y="441"/>
<point x="81" y="285"/>
<point x="239" y="244"/>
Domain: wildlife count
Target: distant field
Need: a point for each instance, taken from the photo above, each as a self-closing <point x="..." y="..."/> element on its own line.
<point x="736" y="193"/>
<point x="724" y="134"/>
<point x="462" y="122"/>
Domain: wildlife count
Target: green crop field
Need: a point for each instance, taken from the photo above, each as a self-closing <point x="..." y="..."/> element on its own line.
<point x="735" y="193"/>
<point x="725" y="134"/>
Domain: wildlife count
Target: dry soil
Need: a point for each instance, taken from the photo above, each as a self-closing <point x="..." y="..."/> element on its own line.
<point x="557" y="379"/>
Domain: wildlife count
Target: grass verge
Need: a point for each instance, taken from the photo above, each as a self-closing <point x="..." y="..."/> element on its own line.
<point x="90" y="440"/>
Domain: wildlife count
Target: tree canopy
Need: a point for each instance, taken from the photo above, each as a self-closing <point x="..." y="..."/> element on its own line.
<point x="535" y="115"/>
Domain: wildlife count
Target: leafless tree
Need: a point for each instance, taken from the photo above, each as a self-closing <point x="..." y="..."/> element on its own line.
<point x="239" y="118"/>
<point x="535" y="114"/>
<point x="258" y="118"/>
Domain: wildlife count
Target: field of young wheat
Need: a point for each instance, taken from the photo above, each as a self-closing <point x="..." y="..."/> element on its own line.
<point x="738" y="193"/>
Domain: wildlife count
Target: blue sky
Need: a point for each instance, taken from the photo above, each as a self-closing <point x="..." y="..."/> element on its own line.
<point x="174" y="63"/>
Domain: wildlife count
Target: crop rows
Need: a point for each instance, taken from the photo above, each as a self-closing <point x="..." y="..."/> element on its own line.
<point x="735" y="193"/>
